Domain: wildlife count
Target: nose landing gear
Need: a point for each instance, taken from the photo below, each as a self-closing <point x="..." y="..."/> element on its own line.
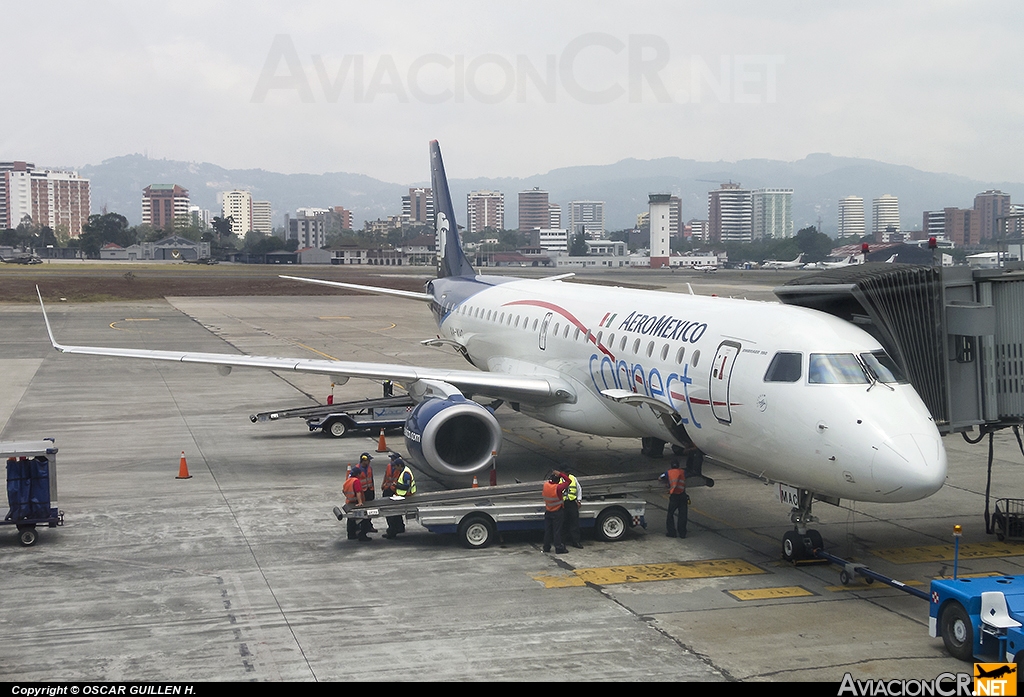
<point x="800" y="543"/>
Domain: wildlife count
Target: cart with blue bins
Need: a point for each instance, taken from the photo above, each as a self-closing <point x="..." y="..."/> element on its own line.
<point x="979" y="618"/>
<point x="31" y="487"/>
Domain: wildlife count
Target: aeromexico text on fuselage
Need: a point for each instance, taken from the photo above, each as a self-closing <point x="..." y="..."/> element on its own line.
<point x="663" y="326"/>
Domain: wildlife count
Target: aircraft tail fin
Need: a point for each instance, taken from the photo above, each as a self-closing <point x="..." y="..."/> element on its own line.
<point x="451" y="260"/>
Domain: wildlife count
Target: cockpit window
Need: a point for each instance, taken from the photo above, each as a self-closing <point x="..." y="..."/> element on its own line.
<point x="785" y="367"/>
<point x="835" y="369"/>
<point x="883" y="367"/>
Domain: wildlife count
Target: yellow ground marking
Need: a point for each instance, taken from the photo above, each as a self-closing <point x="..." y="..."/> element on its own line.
<point x="550" y="581"/>
<point x="319" y="353"/>
<point x="987" y="574"/>
<point x="972" y="550"/>
<point x="132" y="319"/>
<point x="611" y="575"/>
<point x="771" y="593"/>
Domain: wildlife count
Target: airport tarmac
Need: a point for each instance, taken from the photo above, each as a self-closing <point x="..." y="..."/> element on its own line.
<point x="242" y="572"/>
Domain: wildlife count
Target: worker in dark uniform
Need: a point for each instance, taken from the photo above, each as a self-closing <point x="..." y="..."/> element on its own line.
<point x="391" y="472"/>
<point x="675" y="480"/>
<point x="353" y="489"/>
<point x="573" y="500"/>
<point x="554" y="511"/>
<point x="405" y="486"/>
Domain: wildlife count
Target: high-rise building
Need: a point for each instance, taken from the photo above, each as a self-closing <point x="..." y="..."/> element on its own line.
<point x="933" y="224"/>
<point x="851" y="217"/>
<point x="962" y="226"/>
<point x="165" y="206"/>
<point x="308" y="227"/>
<point x="237" y="205"/>
<point x="885" y="215"/>
<point x="262" y="217"/>
<point x="419" y="206"/>
<point x="587" y="216"/>
<point x="554" y="215"/>
<point x="698" y="230"/>
<point x="730" y="214"/>
<point x="485" y="209"/>
<point x="345" y="215"/>
<point x="534" y="210"/>
<point x="60" y="199"/>
<point x="773" y="216"/>
<point x="200" y="217"/>
<point x="659" y="208"/>
<point x="51" y="197"/>
<point x="992" y="205"/>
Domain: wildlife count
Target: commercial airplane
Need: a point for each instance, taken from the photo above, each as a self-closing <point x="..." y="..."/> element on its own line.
<point x="848" y="261"/>
<point x="790" y="395"/>
<point x="797" y="263"/>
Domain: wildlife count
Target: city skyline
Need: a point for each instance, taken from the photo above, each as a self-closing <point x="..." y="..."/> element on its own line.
<point x="932" y="87"/>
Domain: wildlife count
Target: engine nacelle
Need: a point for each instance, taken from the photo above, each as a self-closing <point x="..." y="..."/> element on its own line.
<point x="452" y="436"/>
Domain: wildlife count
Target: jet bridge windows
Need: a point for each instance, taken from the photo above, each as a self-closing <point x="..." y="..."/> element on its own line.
<point x="785" y="367"/>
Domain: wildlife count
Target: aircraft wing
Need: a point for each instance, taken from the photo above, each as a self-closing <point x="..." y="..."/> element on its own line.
<point x="532" y="390"/>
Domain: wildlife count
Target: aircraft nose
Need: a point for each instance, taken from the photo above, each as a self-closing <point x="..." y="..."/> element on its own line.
<point x="909" y="467"/>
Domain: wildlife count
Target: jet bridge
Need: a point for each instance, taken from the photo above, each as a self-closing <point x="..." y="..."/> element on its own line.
<point x="957" y="333"/>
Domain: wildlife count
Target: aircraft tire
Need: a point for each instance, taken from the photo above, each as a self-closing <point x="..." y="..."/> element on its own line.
<point x="957" y="632"/>
<point x="792" y="546"/>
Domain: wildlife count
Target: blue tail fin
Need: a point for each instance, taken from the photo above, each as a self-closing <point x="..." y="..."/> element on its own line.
<point x="451" y="260"/>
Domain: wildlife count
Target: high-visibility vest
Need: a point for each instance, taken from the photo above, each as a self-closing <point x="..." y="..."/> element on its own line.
<point x="676" y="481"/>
<point x="400" y="486"/>
<point x="552" y="501"/>
<point x="572" y="492"/>
<point x="349" y="487"/>
<point x="390" y="478"/>
<point x="366" y="478"/>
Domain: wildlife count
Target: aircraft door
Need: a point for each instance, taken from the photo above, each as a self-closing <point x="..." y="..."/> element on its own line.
<point x="721" y="375"/>
<point x="543" y="340"/>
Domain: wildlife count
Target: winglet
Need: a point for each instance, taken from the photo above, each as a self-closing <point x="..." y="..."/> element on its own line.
<point x="46" y="319"/>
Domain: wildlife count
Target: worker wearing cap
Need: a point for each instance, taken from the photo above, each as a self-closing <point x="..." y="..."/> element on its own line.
<point x="391" y="472"/>
<point x="554" y="511"/>
<point x="675" y="480"/>
<point x="405" y="486"/>
<point x="366" y="478"/>
<point x="573" y="499"/>
<point x="353" y="489"/>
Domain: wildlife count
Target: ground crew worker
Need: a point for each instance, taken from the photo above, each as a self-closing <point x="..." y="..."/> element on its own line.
<point x="391" y="472"/>
<point x="366" y="479"/>
<point x="554" y="511"/>
<point x="405" y="486"/>
<point x="353" y="489"/>
<point x="573" y="500"/>
<point x="675" y="480"/>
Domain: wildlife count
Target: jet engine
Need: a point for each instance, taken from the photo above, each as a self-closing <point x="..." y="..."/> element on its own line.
<point x="452" y="435"/>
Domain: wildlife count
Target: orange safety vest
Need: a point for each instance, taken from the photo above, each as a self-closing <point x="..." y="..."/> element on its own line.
<point x="366" y="478"/>
<point x="349" y="487"/>
<point x="552" y="501"/>
<point x="676" y="481"/>
<point x="390" y="478"/>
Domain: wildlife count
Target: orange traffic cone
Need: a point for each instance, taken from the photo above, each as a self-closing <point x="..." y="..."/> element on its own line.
<point x="183" y="468"/>
<point x="382" y="446"/>
<point x="476" y="485"/>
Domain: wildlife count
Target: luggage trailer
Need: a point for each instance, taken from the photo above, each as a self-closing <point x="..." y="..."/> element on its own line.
<point x="479" y="515"/>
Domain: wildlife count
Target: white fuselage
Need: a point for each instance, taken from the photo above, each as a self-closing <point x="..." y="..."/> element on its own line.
<point x="707" y="357"/>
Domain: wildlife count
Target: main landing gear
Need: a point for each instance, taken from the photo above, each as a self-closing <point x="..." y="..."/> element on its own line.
<point x="800" y="543"/>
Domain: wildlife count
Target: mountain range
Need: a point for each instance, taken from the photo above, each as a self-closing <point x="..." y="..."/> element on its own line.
<point x="818" y="181"/>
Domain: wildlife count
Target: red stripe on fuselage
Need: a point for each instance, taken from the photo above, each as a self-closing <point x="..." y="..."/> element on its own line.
<point x="568" y="315"/>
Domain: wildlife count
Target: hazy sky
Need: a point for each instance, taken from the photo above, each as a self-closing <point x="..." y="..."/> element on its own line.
<point x="513" y="89"/>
